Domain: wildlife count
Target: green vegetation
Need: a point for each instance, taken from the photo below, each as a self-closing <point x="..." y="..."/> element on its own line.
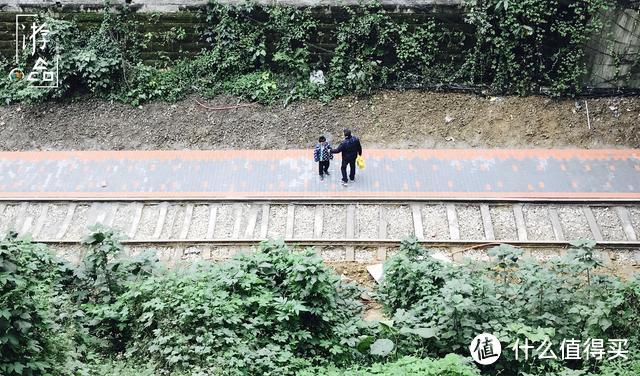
<point x="450" y="365"/>
<point x="279" y="311"/>
<point x="267" y="53"/>
<point x="513" y="298"/>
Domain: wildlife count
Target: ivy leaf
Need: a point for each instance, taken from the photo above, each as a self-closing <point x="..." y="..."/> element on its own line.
<point x="365" y="343"/>
<point x="382" y="347"/>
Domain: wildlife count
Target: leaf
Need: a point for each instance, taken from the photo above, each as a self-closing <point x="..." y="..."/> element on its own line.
<point x="382" y="347"/>
<point x="17" y="367"/>
<point x="605" y="324"/>
<point x="365" y="343"/>
<point x="583" y="243"/>
<point x="424" y="332"/>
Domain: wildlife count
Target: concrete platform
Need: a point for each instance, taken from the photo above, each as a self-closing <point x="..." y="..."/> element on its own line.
<point x="292" y="174"/>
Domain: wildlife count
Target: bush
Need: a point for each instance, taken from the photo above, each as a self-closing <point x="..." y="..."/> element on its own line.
<point x="100" y="280"/>
<point x="450" y="365"/>
<point x="32" y="342"/>
<point x="269" y="312"/>
<point x="279" y="311"/>
<point x="511" y="297"/>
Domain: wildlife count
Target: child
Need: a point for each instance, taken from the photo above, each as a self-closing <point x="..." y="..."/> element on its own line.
<point x="322" y="154"/>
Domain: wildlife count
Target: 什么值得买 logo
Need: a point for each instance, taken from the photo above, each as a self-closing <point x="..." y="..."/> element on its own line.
<point x="485" y="349"/>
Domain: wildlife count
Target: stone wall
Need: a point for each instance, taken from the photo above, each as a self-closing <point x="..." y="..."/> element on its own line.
<point x="161" y="16"/>
<point x="157" y="50"/>
<point x="180" y="5"/>
<point x="613" y="54"/>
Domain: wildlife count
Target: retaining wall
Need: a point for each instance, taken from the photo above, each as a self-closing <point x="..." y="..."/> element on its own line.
<point x="161" y="16"/>
<point x="613" y="54"/>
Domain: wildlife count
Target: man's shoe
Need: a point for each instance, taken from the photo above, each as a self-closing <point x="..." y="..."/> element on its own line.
<point x="344" y="184"/>
<point x="327" y="173"/>
<point x="321" y="177"/>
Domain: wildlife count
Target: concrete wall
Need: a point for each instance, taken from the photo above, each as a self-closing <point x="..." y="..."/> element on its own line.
<point x="614" y="53"/>
<point x="160" y="16"/>
<point x="178" y="5"/>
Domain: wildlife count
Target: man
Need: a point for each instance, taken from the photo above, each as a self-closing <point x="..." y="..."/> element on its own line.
<point x="350" y="149"/>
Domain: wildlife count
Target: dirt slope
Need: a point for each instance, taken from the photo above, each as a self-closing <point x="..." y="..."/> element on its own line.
<point x="385" y="120"/>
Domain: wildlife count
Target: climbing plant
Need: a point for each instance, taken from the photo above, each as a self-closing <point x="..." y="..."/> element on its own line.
<point x="266" y="53"/>
<point x="531" y="45"/>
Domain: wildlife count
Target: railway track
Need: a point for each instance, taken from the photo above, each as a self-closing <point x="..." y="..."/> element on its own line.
<point x="355" y="230"/>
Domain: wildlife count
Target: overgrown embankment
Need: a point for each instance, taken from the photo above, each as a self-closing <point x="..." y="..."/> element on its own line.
<point x="280" y="311"/>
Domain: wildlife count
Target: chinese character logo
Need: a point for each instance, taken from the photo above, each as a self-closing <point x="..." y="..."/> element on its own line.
<point x="485" y="349"/>
<point x="34" y="42"/>
<point x="572" y="349"/>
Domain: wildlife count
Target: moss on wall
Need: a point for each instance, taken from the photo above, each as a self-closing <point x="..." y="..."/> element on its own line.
<point x="160" y="24"/>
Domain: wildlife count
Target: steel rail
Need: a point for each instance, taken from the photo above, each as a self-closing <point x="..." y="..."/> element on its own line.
<point x="351" y="242"/>
<point x="331" y="200"/>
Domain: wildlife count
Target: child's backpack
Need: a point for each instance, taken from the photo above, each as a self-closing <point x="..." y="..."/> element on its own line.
<point x="326" y="154"/>
<point x="322" y="153"/>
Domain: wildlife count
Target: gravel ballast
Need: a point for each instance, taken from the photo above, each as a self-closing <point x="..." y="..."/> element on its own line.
<point x="634" y="213"/>
<point x="574" y="223"/>
<point x="31" y="216"/>
<point x="434" y="222"/>
<point x="259" y="221"/>
<point x="199" y="222"/>
<point x="470" y="221"/>
<point x="304" y="221"/>
<point x="609" y="223"/>
<point x="335" y="217"/>
<point x="224" y="222"/>
<point x="504" y="225"/>
<point x="234" y="220"/>
<point x="55" y="216"/>
<point x="124" y="218"/>
<point x="148" y="222"/>
<point x="277" y="222"/>
<point x="172" y="222"/>
<point x="78" y="226"/>
<point x="538" y="222"/>
<point x="9" y="217"/>
<point x="399" y="222"/>
<point x="367" y="221"/>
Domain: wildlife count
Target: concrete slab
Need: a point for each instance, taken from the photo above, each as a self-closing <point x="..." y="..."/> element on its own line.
<point x="237" y="174"/>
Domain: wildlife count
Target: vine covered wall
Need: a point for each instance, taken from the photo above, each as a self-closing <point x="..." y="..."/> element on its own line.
<point x="268" y="52"/>
<point x="160" y="17"/>
<point x="614" y="52"/>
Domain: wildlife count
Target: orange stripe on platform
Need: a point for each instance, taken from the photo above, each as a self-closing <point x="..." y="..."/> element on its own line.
<point x="337" y="194"/>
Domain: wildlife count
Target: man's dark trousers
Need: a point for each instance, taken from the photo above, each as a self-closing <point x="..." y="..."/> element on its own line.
<point x="323" y="167"/>
<point x="352" y="169"/>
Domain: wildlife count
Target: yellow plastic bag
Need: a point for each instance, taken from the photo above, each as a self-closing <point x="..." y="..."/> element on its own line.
<point x="360" y="162"/>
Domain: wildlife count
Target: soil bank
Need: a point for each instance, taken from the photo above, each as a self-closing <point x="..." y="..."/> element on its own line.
<point x="387" y="119"/>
